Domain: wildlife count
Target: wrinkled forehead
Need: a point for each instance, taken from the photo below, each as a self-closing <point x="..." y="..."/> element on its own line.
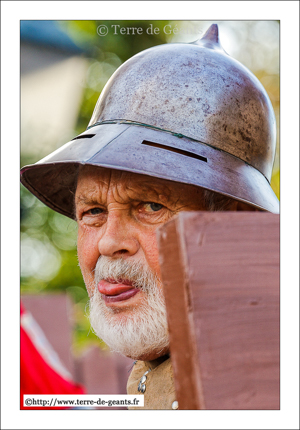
<point x="93" y="180"/>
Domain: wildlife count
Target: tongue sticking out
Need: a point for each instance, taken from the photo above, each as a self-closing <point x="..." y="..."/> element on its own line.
<point x="114" y="291"/>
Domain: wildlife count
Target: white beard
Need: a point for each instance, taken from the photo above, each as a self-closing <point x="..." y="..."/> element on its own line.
<point x="139" y="331"/>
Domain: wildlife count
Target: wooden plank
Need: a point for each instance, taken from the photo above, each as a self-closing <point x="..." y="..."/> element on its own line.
<point x="229" y="276"/>
<point x="52" y="313"/>
<point x="174" y="280"/>
<point x="103" y="372"/>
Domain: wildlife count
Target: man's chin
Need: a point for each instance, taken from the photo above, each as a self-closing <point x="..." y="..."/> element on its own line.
<point x="139" y="333"/>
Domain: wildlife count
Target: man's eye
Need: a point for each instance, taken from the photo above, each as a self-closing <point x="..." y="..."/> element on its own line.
<point x="155" y="207"/>
<point x="95" y="211"/>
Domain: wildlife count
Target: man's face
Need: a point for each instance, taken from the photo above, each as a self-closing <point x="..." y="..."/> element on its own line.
<point x="118" y="214"/>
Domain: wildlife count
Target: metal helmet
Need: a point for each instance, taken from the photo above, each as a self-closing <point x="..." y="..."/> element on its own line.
<point x="182" y="112"/>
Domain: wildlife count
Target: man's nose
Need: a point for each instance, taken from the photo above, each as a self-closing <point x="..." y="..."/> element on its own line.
<point x="118" y="238"/>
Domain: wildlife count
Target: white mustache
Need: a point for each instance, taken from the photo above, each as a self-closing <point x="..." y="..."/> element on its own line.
<point x="137" y="273"/>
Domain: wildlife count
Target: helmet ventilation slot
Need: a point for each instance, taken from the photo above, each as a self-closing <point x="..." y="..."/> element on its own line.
<point x="179" y="151"/>
<point x="84" y="136"/>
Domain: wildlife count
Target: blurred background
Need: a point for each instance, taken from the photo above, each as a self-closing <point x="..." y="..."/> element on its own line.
<point x="64" y="67"/>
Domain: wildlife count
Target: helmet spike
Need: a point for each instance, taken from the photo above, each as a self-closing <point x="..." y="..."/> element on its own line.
<point x="212" y="34"/>
<point x="211" y="39"/>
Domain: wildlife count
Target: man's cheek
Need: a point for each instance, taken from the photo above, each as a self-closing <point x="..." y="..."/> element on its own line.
<point x="88" y="276"/>
<point x="87" y="257"/>
<point x="151" y="253"/>
<point x="87" y="250"/>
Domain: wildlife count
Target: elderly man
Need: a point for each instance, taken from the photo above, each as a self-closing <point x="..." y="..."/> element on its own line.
<point x="179" y="127"/>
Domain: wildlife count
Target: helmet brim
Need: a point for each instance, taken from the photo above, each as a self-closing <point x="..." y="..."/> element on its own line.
<point x="143" y="150"/>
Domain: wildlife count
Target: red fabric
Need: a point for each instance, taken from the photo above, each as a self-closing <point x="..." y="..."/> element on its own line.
<point x="37" y="376"/>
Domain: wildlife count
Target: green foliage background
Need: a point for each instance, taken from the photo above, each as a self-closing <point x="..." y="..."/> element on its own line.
<point x="48" y="238"/>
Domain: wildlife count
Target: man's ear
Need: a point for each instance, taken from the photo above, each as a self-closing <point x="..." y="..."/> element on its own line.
<point x="245" y="207"/>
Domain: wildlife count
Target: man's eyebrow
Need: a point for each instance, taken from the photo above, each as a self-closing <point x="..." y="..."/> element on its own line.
<point x="146" y="194"/>
<point x="86" y="200"/>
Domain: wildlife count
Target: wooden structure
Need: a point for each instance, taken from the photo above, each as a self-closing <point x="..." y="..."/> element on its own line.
<point x="52" y="312"/>
<point x="100" y="372"/>
<point x="221" y="281"/>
